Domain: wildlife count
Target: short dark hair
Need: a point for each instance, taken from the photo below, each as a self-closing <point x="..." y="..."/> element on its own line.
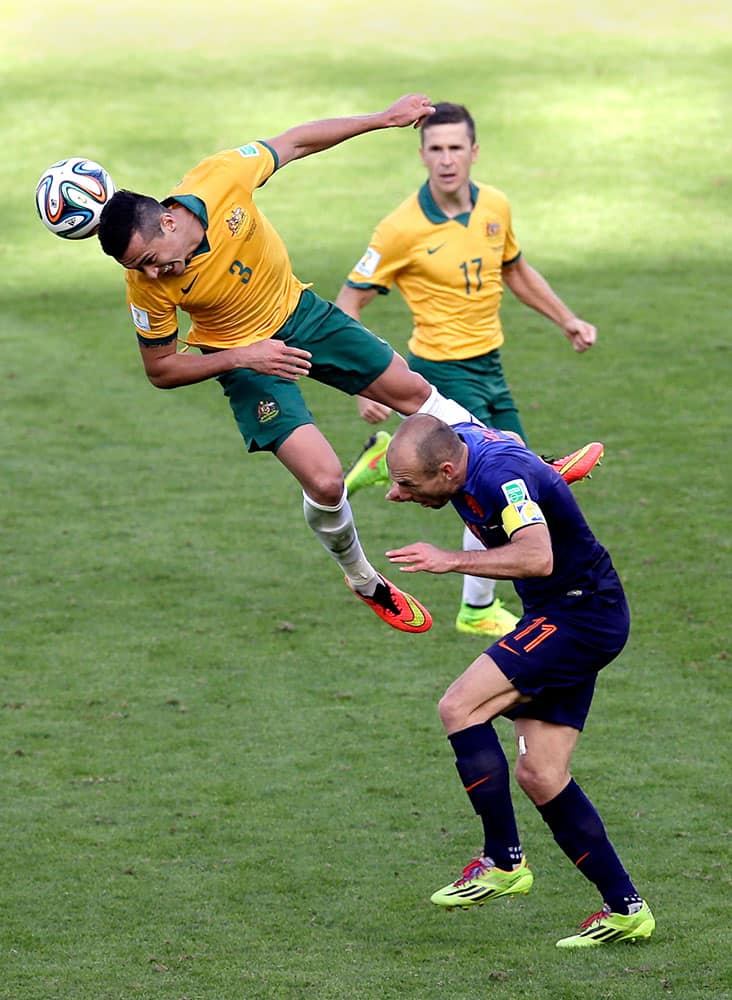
<point x="126" y="213"/>
<point x="446" y="113"/>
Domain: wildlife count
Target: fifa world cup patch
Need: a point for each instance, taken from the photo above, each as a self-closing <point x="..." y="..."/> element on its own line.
<point x="368" y="263"/>
<point x="267" y="410"/>
<point x="249" y="150"/>
<point x="141" y="318"/>
<point x="515" y="490"/>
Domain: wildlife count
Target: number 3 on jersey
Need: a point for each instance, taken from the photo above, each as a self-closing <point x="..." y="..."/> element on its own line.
<point x="242" y="271"/>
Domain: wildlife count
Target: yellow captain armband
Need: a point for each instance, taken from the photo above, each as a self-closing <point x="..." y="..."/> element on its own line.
<point x="518" y="515"/>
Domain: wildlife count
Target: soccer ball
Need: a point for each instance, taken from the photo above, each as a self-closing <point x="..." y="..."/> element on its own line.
<point x="70" y="197"/>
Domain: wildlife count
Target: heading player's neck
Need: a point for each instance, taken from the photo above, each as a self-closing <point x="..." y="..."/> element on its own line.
<point x="453" y="203"/>
<point x="189" y="225"/>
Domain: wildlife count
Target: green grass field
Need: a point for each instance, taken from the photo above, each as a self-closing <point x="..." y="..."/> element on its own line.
<point x="222" y="778"/>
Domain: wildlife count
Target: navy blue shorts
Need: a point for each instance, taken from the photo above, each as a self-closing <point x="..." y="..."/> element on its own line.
<point x="556" y="652"/>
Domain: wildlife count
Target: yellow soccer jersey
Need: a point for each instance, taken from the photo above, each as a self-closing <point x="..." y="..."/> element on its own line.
<point x="239" y="286"/>
<point x="448" y="270"/>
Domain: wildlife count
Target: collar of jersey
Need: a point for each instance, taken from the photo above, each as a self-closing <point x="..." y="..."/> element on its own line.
<point x="435" y="214"/>
<point x="198" y="207"/>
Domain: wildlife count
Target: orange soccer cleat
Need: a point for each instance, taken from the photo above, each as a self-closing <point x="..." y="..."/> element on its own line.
<point x="400" y="610"/>
<point x="579" y="464"/>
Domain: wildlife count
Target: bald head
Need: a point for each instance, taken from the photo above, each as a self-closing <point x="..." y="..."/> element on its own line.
<point x="427" y="461"/>
<point x="425" y="441"/>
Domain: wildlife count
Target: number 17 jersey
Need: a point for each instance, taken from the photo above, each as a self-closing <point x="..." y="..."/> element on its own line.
<point x="449" y="270"/>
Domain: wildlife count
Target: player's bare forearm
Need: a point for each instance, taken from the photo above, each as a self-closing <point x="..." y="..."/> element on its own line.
<point x="168" y="369"/>
<point x="314" y="137"/>
<point x="532" y="288"/>
<point x="353" y="300"/>
<point x="522" y="558"/>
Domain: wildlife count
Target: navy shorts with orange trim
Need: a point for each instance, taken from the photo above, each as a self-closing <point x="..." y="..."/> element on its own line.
<point x="556" y="652"/>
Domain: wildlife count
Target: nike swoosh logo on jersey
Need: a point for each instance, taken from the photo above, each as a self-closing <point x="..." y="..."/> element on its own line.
<point x="186" y="290"/>
<point x="432" y="250"/>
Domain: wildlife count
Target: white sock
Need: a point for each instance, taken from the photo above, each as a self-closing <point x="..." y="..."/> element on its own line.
<point x="335" y="529"/>
<point x="477" y="590"/>
<point x="447" y="409"/>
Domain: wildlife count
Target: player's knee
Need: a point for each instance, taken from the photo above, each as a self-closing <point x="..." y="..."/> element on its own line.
<point x="539" y="780"/>
<point x="419" y="389"/>
<point x="326" y="488"/>
<point x="451" y="712"/>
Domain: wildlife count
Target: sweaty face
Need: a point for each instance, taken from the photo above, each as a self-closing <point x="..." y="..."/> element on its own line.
<point x="159" y="256"/>
<point x="448" y="154"/>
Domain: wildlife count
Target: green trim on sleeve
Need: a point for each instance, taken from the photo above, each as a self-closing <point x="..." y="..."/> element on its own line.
<point x="381" y="289"/>
<point x="156" y="341"/>
<point x="275" y="157"/>
<point x="507" y="263"/>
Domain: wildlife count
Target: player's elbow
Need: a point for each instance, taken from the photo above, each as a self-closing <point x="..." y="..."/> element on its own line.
<point x="159" y="380"/>
<point x="540" y="562"/>
<point x="544" y="563"/>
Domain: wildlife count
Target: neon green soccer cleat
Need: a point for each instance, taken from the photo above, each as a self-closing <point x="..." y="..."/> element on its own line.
<point x="607" y="927"/>
<point x="480" y="882"/>
<point x="494" y="621"/>
<point x="369" y="469"/>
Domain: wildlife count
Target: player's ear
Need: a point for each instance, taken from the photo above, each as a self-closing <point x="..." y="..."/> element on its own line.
<point x="474" y="152"/>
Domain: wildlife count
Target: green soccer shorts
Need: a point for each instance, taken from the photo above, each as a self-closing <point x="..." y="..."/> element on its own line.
<point x="345" y="355"/>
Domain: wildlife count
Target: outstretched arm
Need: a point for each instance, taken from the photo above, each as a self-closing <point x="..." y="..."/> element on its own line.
<point x="302" y="140"/>
<point x="534" y="290"/>
<point x="528" y="553"/>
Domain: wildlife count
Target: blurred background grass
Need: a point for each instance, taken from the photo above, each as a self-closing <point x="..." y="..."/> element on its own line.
<point x="222" y="778"/>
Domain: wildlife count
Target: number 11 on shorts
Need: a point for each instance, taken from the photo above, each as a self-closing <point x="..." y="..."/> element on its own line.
<point x="528" y="638"/>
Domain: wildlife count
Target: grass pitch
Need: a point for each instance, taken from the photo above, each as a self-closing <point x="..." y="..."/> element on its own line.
<point x="223" y="779"/>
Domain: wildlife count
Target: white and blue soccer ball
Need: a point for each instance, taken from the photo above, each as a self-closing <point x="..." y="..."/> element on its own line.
<point x="70" y="196"/>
